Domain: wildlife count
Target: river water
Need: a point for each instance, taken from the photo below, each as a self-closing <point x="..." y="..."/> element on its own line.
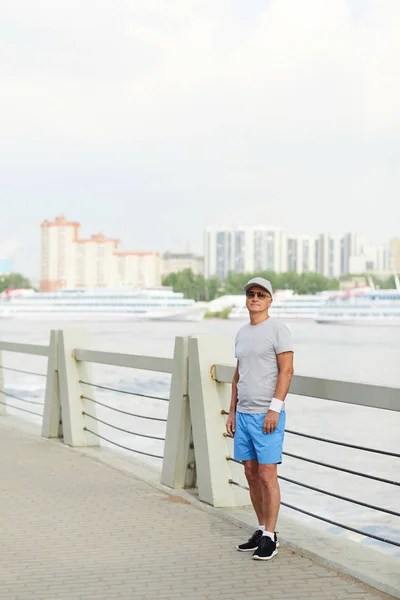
<point x="354" y="353"/>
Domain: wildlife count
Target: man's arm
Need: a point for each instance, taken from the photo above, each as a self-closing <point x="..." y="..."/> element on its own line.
<point x="231" y="421"/>
<point x="286" y="371"/>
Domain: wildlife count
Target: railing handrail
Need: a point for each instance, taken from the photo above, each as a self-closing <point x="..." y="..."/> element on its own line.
<point x="34" y="349"/>
<point x="362" y="394"/>
<point x="131" y="361"/>
<point x="116" y="359"/>
<point x="196" y="397"/>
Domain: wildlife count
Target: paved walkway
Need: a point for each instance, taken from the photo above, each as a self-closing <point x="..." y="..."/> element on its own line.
<point x="72" y="528"/>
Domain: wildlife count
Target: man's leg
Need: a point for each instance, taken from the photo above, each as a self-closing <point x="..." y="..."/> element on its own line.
<point x="271" y="495"/>
<point x="256" y="495"/>
<point x="268" y="544"/>
<point x="251" y="471"/>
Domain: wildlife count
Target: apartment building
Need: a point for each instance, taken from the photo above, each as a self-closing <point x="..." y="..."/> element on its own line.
<point x="68" y="261"/>
<point x="174" y="262"/>
<point x="57" y="269"/>
<point x="301" y="253"/>
<point x="261" y="248"/>
<point x="136" y="269"/>
<point x="244" y="250"/>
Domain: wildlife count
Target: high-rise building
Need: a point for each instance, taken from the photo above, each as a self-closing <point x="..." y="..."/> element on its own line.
<point x="370" y="259"/>
<point x="359" y="256"/>
<point x="243" y="250"/>
<point x="94" y="261"/>
<point x="174" y="262"/>
<point x="269" y="249"/>
<point x="67" y="261"/>
<point x="227" y="249"/>
<point x="301" y="255"/>
<point x="327" y="255"/>
<point x="137" y="269"/>
<point x="58" y="254"/>
<point x="262" y="248"/>
<point x="351" y="246"/>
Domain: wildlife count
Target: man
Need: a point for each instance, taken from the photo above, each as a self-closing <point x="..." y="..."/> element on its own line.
<point x="264" y="353"/>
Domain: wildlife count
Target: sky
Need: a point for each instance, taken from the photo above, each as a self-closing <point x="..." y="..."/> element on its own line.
<point x="148" y="120"/>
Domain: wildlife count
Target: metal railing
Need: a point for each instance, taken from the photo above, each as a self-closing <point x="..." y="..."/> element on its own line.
<point x="147" y="363"/>
<point x="83" y="405"/>
<point x="27" y="349"/>
<point x="389" y="399"/>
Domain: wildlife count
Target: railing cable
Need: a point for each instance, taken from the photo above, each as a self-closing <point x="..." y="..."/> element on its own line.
<point x="104" y="387"/>
<point x="321" y="491"/>
<point x="153" y="437"/>
<point x="310" y="514"/>
<point x="124" y="412"/>
<point x="22" y="409"/>
<point x="24" y="372"/>
<point x="21" y="399"/>
<point x="313" y="437"/>
<point x="344" y="444"/>
<point x="329" y="466"/>
<point x="310" y="487"/>
<point x="120" y="445"/>
<point x="316" y="462"/>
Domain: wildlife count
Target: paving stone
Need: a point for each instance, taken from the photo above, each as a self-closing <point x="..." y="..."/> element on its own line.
<point x="75" y="529"/>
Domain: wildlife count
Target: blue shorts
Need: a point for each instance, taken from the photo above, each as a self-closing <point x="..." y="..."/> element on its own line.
<point x="251" y="442"/>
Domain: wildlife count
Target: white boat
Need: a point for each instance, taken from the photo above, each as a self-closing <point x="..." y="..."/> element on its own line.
<point x="287" y="305"/>
<point x="98" y="303"/>
<point x="373" y="307"/>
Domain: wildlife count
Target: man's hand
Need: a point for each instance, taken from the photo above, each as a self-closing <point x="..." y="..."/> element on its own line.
<point x="231" y="424"/>
<point x="270" y="421"/>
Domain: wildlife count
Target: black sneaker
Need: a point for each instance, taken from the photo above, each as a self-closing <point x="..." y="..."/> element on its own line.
<point x="253" y="542"/>
<point x="266" y="549"/>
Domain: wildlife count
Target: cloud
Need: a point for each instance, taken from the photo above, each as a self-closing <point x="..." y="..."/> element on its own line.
<point x="283" y="111"/>
<point x="79" y="70"/>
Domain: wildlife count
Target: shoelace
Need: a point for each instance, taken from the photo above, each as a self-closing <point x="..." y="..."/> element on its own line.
<point x="255" y="536"/>
<point x="265" y="541"/>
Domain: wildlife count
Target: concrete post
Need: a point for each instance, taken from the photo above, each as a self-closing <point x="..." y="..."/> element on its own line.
<point x="2" y="397"/>
<point x="52" y="425"/>
<point x="178" y="469"/>
<point x="70" y="372"/>
<point x="207" y="399"/>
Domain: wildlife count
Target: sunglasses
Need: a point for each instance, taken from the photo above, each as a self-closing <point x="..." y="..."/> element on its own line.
<point x="251" y="294"/>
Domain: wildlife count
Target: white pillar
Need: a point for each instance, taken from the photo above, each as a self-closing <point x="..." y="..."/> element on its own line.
<point x="2" y="396"/>
<point x="207" y="399"/>
<point x="51" y="427"/>
<point x="70" y="372"/>
<point x="178" y="469"/>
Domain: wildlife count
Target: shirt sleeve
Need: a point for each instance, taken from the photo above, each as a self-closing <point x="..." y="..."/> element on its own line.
<point x="283" y="340"/>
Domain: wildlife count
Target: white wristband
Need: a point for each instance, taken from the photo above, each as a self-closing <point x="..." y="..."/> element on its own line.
<point x="276" y="405"/>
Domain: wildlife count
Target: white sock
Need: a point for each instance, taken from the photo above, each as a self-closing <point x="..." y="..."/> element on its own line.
<point x="269" y="534"/>
<point x="261" y="528"/>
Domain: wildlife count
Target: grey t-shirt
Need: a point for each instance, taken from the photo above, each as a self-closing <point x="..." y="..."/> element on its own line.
<point x="256" y="347"/>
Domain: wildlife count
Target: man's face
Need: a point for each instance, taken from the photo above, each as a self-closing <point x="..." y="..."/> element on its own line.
<point x="258" y="299"/>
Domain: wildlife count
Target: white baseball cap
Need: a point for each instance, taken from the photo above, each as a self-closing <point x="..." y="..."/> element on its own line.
<point x="261" y="282"/>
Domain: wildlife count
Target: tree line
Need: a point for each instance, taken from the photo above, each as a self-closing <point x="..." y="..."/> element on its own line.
<point x="200" y="289"/>
<point x="14" y="281"/>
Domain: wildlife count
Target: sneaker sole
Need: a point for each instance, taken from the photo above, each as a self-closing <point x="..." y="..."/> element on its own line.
<point x="251" y="549"/>
<point x="275" y="552"/>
